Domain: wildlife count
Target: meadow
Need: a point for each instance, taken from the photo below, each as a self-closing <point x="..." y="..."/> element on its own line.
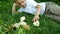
<point x="47" y="25"/>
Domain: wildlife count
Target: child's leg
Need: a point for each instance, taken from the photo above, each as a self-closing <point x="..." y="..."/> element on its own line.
<point x="53" y="11"/>
<point x="53" y="8"/>
<point x="57" y="18"/>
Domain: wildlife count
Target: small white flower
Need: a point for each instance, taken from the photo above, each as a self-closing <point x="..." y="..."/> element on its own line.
<point x="22" y="18"/>
<point x="36" y="23"/>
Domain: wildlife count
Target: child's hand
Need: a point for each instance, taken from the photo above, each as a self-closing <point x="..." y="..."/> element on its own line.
<point x="35" y="18"/>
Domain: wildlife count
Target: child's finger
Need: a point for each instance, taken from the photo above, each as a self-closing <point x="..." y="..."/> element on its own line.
<point x="33" y="20"/>
<point x="36" y="19"/>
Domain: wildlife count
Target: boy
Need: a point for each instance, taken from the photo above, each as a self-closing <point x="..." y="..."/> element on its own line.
<point x="49" y="9"/>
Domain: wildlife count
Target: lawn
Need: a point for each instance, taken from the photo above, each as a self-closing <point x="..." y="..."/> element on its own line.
<point x="47" y="25"/>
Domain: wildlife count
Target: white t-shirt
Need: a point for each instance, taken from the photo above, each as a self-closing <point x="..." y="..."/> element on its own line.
<point x="31" y="7"/>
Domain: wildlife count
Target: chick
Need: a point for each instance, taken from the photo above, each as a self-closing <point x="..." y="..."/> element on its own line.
<point x="22" y="23"/>
<point x="36" y="23"/>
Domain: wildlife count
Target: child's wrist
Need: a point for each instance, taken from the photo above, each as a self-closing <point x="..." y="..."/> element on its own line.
<point x="37" y="15"/>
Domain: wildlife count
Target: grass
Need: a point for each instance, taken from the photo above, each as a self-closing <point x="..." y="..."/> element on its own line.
<point x="47" y="26"/>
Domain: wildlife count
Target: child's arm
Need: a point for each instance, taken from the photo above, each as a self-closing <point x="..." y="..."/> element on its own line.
<point x="14" y="8"/>
<point x="38" y="10"/>
<point x="36" y="17"/>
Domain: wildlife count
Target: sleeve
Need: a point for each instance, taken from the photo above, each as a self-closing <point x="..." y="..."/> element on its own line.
<point x="33" y="2"/>
<point x="20" y="10"/>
